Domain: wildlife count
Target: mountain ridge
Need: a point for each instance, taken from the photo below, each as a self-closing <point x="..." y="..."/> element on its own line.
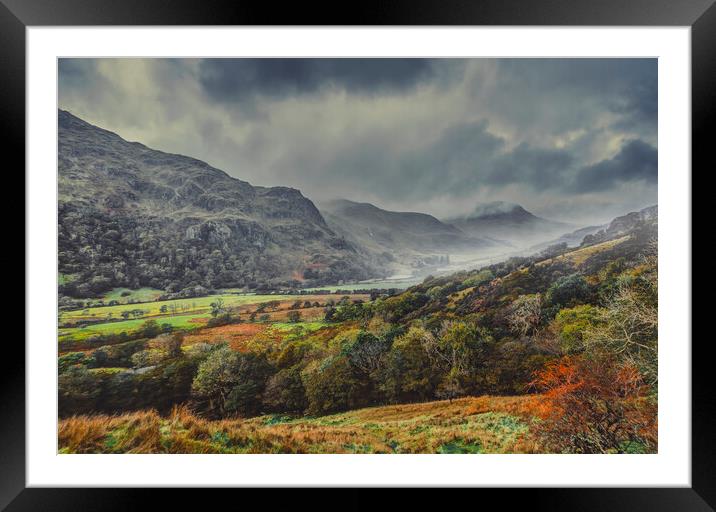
<point x="399" y="240"/>
<point x="133" y="216"/>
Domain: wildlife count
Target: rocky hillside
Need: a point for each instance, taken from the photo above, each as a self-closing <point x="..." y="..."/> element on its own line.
<point x="644" y="220"/>
<point x="133" y="216"/>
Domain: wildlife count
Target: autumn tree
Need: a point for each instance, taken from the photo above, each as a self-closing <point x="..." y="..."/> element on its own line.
<point x="595" y="405"/>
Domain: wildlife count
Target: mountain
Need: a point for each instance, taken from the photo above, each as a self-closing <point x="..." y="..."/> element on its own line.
<point x="508" y="222"/>
<point x="645" y="220"/>
<point x="408" y="237"/>
<point x="133" y="216"/>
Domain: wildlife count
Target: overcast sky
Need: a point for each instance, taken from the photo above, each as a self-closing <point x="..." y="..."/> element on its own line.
<point x="569" y="139"/>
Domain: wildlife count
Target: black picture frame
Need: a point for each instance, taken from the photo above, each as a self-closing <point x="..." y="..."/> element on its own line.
<point x="700" y="15"/>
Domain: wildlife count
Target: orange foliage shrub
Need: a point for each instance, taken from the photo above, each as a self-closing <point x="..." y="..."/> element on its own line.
<point x="595" y="405"/>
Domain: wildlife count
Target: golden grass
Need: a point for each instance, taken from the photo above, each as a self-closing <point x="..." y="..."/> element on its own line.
<point x="579" y="256"/>
<point x="469" y="425"/>
<point x="236" y="335"/>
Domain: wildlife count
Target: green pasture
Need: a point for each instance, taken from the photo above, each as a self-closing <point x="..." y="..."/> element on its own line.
<point x="173" y="307"/>
<point x="129" y="326"/>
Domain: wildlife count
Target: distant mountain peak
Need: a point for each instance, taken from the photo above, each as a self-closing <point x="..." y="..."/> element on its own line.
<point x="497" y="209"/>
<point x="493" y="207"/>
<point x="399" y="233"/>
<point x="508" y="222"/>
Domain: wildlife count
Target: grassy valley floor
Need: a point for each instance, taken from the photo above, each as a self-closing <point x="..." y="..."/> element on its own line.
<point x="486" y="424"/>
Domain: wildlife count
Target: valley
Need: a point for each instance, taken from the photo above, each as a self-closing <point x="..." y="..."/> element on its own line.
<point x="350" y="372"/>
<point x="198" y="313"/>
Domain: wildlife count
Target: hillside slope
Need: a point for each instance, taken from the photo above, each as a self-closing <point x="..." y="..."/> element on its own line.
<point x="133" y="216"/>
<point x="469" y="425"/>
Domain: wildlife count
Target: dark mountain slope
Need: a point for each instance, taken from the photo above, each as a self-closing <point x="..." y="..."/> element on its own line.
<point x="133" y="216"/>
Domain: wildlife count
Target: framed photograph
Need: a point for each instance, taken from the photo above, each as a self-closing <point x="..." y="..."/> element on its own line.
<point x="269" y="249"/>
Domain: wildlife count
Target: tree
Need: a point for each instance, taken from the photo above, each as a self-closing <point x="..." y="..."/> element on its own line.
<point x="568" y="291"/>
<point x="458" y="345"/>
<point x="215" y="379"/>
<point x="335" y="387"/>
<point x="285" y="392"/>
<point x="450" y="387"/>
<point x="413" y="374"/>
<point x="294" y="316"/>
<point x="78" y="391"/>
<point x="217" y="307"/>
<point x="329" y="314"/>
<point x="173" y="344"/>
<point x="366" y="351"/>
<point x="150" y="329"/>
<point x="571" y="325"/>
<point x="595" y="405"/>
<point x="525" y="314"/>
<point x="230" y="382"/>
<point x="628" y="325"/>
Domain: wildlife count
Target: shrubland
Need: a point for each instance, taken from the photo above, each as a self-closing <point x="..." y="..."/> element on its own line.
<point x="573" y="332"/>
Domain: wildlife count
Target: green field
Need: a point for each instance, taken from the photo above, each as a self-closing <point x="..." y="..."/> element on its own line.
<point x="129" y="326"/>
<point x="179" y="313"/>
<point x="174" y="307"/>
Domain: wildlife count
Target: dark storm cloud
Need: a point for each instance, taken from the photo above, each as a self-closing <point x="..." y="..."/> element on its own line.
<point x="541" y="168"/>
<point x="239" y="79"/>
<point x="468" y="156"/>
<point x="636" y="161"/>
<point x="556" y="95"/>
<point x="453" y="160"/>
<point x="436" y="135"/>
<point x="621" y="84"/>
<point x="456" y="160"/>
<point x="75" y="73"/>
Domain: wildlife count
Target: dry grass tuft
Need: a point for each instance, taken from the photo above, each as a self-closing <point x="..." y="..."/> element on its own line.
<point x="486" y="424"/>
